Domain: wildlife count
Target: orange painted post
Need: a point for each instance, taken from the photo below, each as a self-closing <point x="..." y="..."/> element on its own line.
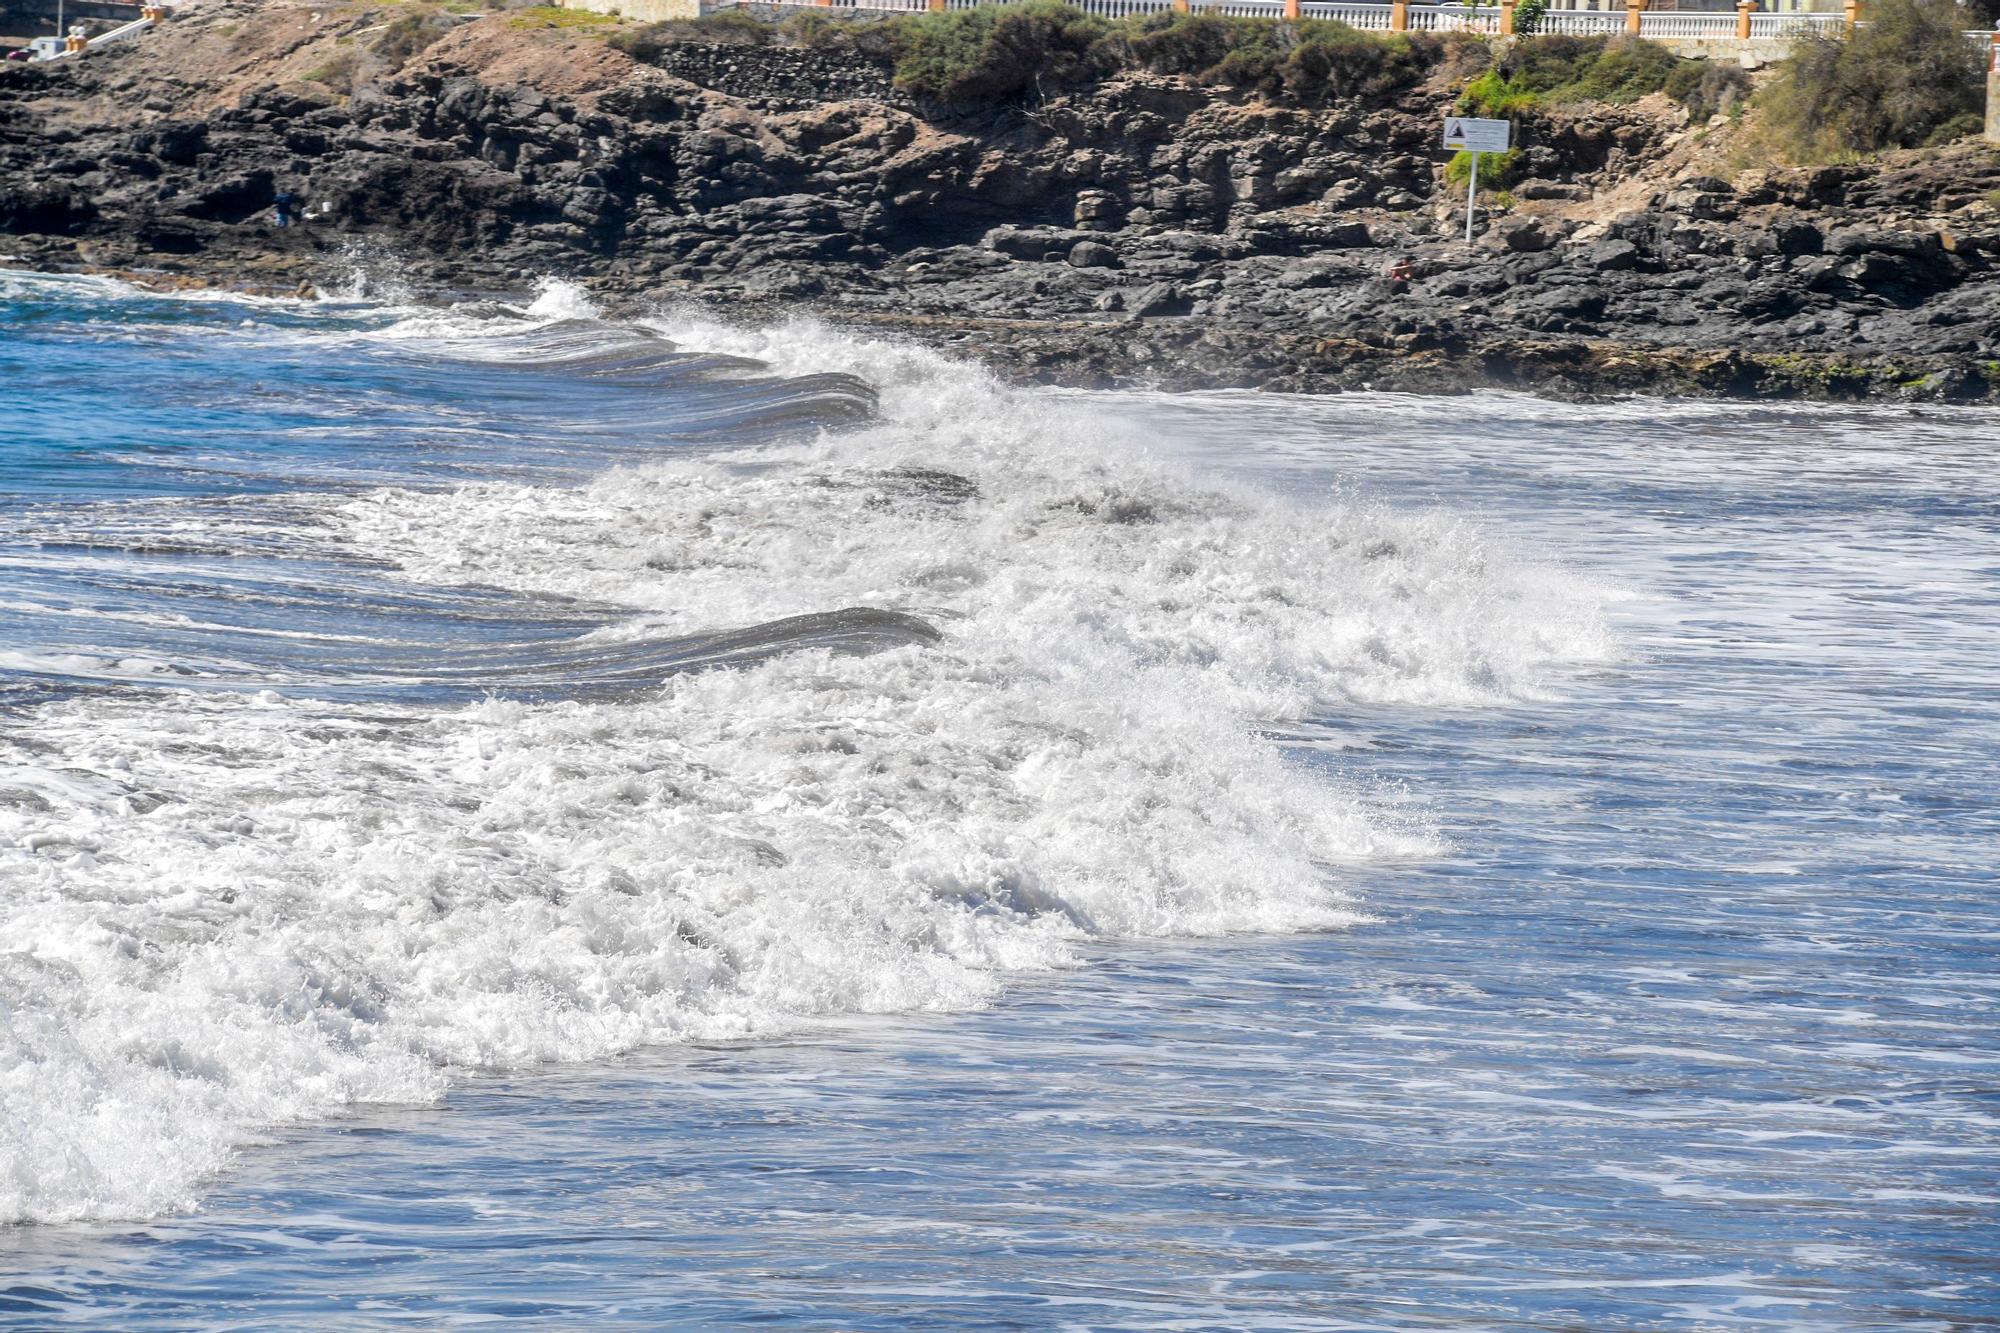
<point x="1853" y="15"/>
<point x="1506" y="18"/>
<point x="1399" y="15"/>
<point x="1291" y="11"/>
<point x="936" y="6"/>
<point x="1744" y="9"/>
<point x="1633" y="9"/>
<point x="1180" y="6"/>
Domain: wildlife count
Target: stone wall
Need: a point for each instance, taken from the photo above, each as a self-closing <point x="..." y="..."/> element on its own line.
<point x="780" y="77"/>
<point x="1749" y="52"/>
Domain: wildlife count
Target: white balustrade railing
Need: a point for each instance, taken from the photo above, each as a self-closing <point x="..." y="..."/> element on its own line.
<point x="1240" y="9"/>
<point x="1454" y="18"/>
<point x="1371" y="18"/>
<point x="1664" y="25"/>
<point x="1768" y="26"/>
<point x="1118" y="9"/>
<point x="1676" y="24"/>
<point x="1581" y="22"/>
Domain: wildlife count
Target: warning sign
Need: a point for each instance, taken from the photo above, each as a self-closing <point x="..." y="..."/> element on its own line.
<point x="1477" y="136"/>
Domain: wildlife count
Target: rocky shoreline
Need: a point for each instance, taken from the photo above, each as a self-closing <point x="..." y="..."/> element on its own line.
<point x="1153" y="231"/>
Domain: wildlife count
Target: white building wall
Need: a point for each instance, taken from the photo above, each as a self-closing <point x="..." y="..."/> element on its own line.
<point x="650" y="11"/>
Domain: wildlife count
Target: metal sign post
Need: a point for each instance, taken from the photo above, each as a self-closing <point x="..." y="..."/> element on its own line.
<point x="1471" y="194"/>
<point x="1475" y="137"/>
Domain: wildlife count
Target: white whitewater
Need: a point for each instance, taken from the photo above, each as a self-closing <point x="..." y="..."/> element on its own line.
<point x="225" y="911"/>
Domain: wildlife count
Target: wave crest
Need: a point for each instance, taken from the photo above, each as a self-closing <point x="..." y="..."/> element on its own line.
<point x="260" y="909"/>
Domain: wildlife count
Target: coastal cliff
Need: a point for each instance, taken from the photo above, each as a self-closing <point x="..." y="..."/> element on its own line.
<point x="1148" y="228"/>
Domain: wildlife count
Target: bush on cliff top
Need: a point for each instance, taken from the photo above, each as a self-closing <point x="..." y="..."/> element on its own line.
<point x="1194" y="44"/>
<point x="1039" y="48"/>
<point x="1334" y="60"/>
<point x="1905" y="78"/>
<point x="855" y="32"/>
<point x="1044" y="45"/>
<point x="1308" y="61"/>
<point x="1621" y="69"/>
<point x="999" y="52"/>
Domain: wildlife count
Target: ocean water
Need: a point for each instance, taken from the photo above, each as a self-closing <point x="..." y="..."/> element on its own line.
<point x="507" y="815"/>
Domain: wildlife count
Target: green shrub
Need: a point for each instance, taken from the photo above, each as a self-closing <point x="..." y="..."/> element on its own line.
<point x="1259" y="67"/>
<point x="1708" y="88"/>
<point x="820" y="30"/>
<point x="1194" y="44"/>
<point x="1902" y="78"/>
<point x="1005" y="52"/>
<point x="1309" y="61"/>
<point x="999" y="52"/>
<point x="1463" y="56"/>
<point x="1560" y="68"/>
<point x="1626" y="70"/>
<point x="1491" y="94"/>
<point x="993" y="54"/>
<point x="1528" y="16"/>
<point x="1958" y="127"/>
<point x="1334" y="60"/>
<point x="1497" y="171"/>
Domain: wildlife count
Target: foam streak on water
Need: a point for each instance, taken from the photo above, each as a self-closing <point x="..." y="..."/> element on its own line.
<point x="354" y="736"/>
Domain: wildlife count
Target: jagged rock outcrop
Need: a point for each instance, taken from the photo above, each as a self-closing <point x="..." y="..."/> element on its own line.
<point x="1152" y="229"/>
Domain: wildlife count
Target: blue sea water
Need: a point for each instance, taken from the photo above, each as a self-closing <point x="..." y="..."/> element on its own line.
<point x="1373" y="862"/>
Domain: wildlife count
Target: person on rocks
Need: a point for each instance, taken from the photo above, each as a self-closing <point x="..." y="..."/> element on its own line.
<point x="1401" y="274"/>
<point x="283" y="209"/>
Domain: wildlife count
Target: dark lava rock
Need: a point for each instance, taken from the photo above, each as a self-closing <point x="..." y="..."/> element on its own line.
<point x="1518" y="235"/>
<point x="1092" y="254"/>
<point x="1159" y="298"/>
<point x="1612" y="256"/>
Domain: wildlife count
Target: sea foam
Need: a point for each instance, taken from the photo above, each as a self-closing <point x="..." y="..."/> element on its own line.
<point x="231" y="911"/>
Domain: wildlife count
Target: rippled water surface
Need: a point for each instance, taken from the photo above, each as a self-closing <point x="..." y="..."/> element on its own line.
<point x="1355" y="863"/>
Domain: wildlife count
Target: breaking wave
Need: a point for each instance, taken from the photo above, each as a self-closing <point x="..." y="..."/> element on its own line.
<point x="997" y="684"/>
